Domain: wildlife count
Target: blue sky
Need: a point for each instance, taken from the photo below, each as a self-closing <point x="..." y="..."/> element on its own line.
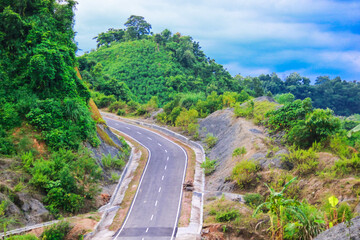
<point x="250" y="37"/>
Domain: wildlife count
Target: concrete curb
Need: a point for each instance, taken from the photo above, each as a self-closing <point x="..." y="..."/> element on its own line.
<point x="194" y="227"/>
<point x="109" y="207"/>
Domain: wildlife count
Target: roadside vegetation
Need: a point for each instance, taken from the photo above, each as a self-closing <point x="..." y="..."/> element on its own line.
<point x="186" y="90"/>
<point x="45" y="114"/>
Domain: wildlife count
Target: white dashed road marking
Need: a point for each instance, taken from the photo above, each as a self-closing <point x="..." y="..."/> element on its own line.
<point x="167" y="159"/>
<point x="162" y="178"/>
<point x="165" y="167"/>
<point x="165" y="150"/>
<point x="127" y="128"/>
<point x="160" y="189"/>
<point x="159" y="144"/>
<point x="139" y="132"/>
<point x="147" y="230"/>
<point x="152" y="216"/>
<point x="156" y="203"/>
<point x="149" y="138"/>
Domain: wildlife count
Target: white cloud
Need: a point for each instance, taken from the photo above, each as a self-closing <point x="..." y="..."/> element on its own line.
<point x="283" y="29"/>
<point x="235" y="68"/>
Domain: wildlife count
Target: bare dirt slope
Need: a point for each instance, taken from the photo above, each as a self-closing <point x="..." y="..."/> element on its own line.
<point x="233" y="133"/>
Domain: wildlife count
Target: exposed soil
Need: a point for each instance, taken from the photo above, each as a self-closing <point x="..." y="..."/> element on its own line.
<point x="235" y="132"/>
<point x="232" y="133"/>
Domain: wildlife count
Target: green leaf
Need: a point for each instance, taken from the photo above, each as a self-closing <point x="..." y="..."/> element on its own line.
<point x="333" y="201"/>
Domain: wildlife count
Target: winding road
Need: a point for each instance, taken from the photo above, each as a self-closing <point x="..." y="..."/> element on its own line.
<point x="155" y="209"/>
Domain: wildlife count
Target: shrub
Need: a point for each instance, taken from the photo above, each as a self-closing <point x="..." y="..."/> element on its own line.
<point x="115" y="177"/>
<point x="285" y="98"/>
<point x="56" y="232"/>
<point x="260" y="110"/>
<point x="245" y="110"/>
<point x="344" y="212"/>
<point x="115" y="106"/>
<point x="227" y="216"/>
<point x="121" y="112"/>
<point x="112" y="162"/>
<point x="105" y="101"/>
<point x="307" y="223"/>
<point x="346" y="166"/>
<point x="132" y="106"/>
<point x="318" y="126"/>
<point x="339" y="146"/>
<point x="67" y="178"/>
<point x="64" y="125"/>
<point x="186" y="117"/>
<point x="245" y="172"/>
<point x="253" y="199"/>
<point x="192" y="128"/>
<point x="305" y="161"/>
<point x="210" y="140"/>
<point x="287" y="116"/>
<point x="239" y="151"/>
<point x="27" y="159"/>
<point x="6" y="144"/>
<point x="209" y="166"/>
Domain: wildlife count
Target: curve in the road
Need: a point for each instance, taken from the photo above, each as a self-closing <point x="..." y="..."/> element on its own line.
<point x="155" y="209"/>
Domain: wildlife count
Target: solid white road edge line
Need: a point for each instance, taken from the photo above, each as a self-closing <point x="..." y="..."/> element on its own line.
<point x="139" y="186"/>
<point x="184" y="173"/>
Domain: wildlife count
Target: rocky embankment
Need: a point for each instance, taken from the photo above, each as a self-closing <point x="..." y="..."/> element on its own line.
<point x="233" y="133"/>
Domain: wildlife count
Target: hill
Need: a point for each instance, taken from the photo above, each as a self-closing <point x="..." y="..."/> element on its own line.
<point x="159" y="65"/>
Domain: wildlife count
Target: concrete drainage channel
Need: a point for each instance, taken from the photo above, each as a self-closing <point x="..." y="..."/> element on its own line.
<point x="193" y="231"/>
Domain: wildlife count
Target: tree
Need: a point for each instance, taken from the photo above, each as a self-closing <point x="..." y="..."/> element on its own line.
<point x="137" y="27"/>
<point x="112" y="35"/>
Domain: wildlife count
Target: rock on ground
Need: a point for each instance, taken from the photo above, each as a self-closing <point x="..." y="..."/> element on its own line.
<point x="341" y="231"/>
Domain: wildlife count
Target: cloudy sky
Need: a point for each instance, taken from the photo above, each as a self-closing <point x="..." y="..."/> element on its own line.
<point x="250" y="37"/>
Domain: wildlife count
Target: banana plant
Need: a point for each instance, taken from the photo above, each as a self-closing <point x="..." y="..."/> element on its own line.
<point x="354" y="130"/>
<point x="277" y="204"/>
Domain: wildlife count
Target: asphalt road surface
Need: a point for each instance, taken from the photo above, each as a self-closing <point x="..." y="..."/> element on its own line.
<point x="155" y="210"/>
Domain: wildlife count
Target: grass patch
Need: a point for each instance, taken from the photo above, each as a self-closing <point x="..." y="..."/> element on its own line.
<point x="239" y="151"/>
<point x="210" y="140"/>
<point x="209" y="166"/>
<point x="245" y="173"/>
<point x="305" y="161"/>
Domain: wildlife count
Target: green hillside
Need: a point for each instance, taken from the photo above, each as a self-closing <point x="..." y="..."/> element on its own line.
<point x="44" y="113"/>
<point x="160" y="65"/>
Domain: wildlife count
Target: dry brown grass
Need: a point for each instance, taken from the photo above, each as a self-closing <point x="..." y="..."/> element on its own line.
<point x="104" y="136"/>
<point x="95" y="114"/>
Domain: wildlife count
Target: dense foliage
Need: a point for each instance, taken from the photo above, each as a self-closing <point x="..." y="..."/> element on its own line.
<point x="44" y="111"/>
<point x="340" y="96"/>
<point x="67" y="178"/>
<point x="38" y="79"/>
<point x="153" y="65"/>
